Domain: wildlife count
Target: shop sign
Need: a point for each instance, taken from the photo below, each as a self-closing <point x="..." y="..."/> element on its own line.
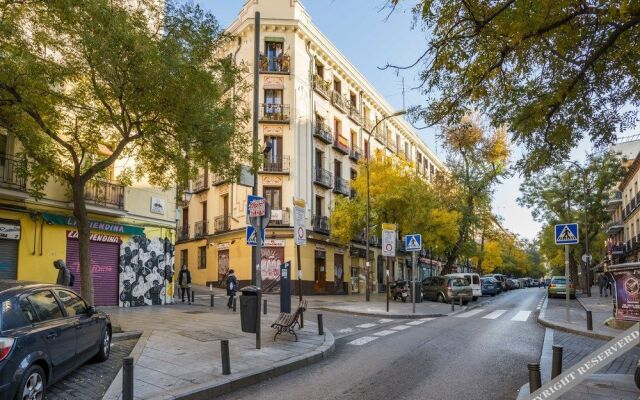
<point x="273" y="243"/>
<point x="95" y="225"/>
<point x="223" y="246"/>
<point x="9" y="231"/>
<point x="96" y="237"/>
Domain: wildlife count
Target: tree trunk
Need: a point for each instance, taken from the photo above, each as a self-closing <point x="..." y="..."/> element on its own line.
<point x="82" y="219"/>
<point x="481" y="254"/>
<point x="573" y="268"/>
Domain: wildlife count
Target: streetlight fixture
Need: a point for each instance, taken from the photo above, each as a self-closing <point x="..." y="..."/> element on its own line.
<point x="368" y="264"/>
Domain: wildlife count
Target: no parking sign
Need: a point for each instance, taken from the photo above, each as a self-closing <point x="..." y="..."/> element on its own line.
<point x="388" y="240"/>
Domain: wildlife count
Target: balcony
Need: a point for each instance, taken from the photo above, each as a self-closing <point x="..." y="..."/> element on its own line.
<point x="217" y="180"/>
<point x="321" y="224"/>
<point x="276" y="166"/>
<point x="355" y="153"/>
<point x="322" y="87"/>
<point x="11" y="183"/>
<point x="274" y="113"/>
<point x="323" y="132"/>
<point x="341" y="144"/>
<point x="368" y="125"/>
<point x="392" y="146"/>
<point x="183" y="233"/>
<point x="323" y="177"/>
<point x="275" y="64"/>
<point x="222" y="224"/>
<point x="338" y="100"/>
<point x="617" y="249"/>
<point x="614" y="227"/>
<point x="379" y="134"/>
<point x="354" y="114"/>
<point x="200" y="229"/>
<point x="342" y="186"/>
<point x="280" y="218"/>
<point x="201" y="183"/>
<point x="105" y="194"/>
<point x="615" y="200"/>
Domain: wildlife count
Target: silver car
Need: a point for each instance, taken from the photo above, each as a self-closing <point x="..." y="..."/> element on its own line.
<point x="447" y="287"/>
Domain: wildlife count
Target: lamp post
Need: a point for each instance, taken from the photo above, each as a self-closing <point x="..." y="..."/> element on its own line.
<point x="368" y="264"/>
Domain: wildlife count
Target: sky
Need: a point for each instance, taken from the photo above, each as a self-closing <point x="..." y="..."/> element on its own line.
<point x="370" y="41"/>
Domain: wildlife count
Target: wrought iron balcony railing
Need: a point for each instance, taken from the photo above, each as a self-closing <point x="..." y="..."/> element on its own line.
<point x="10" y="177"/>
<point x="323" y="132"/>
<point x="354" y="114"/>
<point x="275" y="64"/>
<point x="279" y="218"/>
<point x="341" y="186"/>
<point x="341" y="144"/>
<point x="221" y="224"/>
<point x="201" y="229"/>
<point x="201" y="183"/>
<point x="321" y="224"/>
<point x="338" y="100"/>
<point x="183" y="233"/>
<point x="323" y="177"/>
<point x="322" y="87"/>
<point x="105" y="194"/>
<point x="368" y="125"/>
<point x="355" y="153"/>
<point x="279" y="165"/>
<point x="278" y="113"/>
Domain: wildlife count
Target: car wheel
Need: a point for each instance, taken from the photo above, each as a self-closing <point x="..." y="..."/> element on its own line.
<point x="32" y="385"/>
<point x="105" y="346"/>
<point x="404" y="299"/>
<point x="440" y="298"/>
<point x="636" y="376"/>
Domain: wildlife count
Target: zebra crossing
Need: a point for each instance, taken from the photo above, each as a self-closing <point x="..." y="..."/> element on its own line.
<point x="386" y="331"/>
<point x="513" y="315"/>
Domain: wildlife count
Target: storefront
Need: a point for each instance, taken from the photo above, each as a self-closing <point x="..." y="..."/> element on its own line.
<point x="9" y="241"/>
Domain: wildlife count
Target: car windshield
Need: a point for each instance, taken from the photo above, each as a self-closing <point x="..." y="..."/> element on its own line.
<point x="559" y="281"/>
<point x="457" y="282"/>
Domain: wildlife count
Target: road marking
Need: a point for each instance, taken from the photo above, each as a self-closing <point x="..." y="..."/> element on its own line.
<point x="363" y="340"/>
<point x="521" y="316"/>
<point x="366" y="326"/>
<point x="401" y="327"/>
<point x="346" y="330"/>
<point x="414" y="323"/>
<point x="494" y="314"/>
<point x="384" y="333"/>
<point x="426" y="319"/>
<point x="470" y="313"/>
<point x="384" y="320"/>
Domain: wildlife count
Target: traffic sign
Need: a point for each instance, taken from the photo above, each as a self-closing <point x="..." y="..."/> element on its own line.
<point x="388" y="240"/>
<point x="567" y="234"/>
<point x="256" y="206"/>
<point x="256" y="203"/>
<point x="251" y="236"/>
<point x="413" y="242"/>
<point x="299" y="228"/>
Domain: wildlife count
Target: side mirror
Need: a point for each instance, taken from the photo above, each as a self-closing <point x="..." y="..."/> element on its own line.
<point x="91" y="310"/>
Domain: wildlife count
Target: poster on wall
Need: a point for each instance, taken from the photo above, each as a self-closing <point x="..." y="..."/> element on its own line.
<point x="627" y="292"/>
<point x="146" y="272"/>
<point x="9" y="231"/>
<point x="223" y="265"/>
<point x="272" y="257"/>
<point x="158" y="205"/>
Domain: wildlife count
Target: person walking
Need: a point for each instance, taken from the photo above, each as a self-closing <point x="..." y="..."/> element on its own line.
<point x="184" y="280"/>
<point x="602" y="284"/>
<point x="232" y="287"/>
<point x="64" y="274"/>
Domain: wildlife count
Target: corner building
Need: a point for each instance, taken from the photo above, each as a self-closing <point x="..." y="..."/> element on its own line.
<point x="317" y="115"/>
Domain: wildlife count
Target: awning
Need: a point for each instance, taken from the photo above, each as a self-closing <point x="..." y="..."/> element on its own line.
<point x="94" y="225"/>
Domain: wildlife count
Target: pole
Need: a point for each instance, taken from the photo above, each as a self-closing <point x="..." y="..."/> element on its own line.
<point x="566" y="277"/>
<point x="387" y="286"/>
<point x="226" y="362"/>
<point x="413" y="282"/>
<point x="368" y="263"/>
<point x="127" y="378"/>
<point x="535" y="380"/>
<point x="556" y="361"/>
<point x="586" y="232"/>
<point x="255" y="255"/>
<point x="299" y="272"/>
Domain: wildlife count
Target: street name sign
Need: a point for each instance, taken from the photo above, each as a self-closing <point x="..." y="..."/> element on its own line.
<point x="252" y="240"/>
<point x="299" y="229"/>
<point x="413" y="242"/>
<point x="567" y="234"/>
<point x="388" y="240"/>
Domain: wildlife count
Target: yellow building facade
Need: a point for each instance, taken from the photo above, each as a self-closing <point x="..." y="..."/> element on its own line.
<point x="316" y="118"/>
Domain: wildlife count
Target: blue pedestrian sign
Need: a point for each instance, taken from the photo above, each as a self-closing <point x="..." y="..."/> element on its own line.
<point x="567" y="234"/>
<point x="251" y="236"/>
<point x="413" y="242"/>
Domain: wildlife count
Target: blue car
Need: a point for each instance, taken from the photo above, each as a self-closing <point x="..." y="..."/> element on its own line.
<point x="490" y="287"/>
<point x="46" y="331"/>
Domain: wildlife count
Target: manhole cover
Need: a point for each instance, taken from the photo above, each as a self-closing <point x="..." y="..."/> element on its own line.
<point x="196" y="312"/>
<point x="207" y="336"/>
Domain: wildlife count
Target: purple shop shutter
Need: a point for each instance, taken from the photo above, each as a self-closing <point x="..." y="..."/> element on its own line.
<point x="104" y="264"/>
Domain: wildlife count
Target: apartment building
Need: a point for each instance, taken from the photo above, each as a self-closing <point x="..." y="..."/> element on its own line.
<point x="316" y="119"/>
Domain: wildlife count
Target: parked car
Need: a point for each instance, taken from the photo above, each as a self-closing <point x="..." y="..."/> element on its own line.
<point x="474" y="281"/>
<point x="46" y="331"/>
<point x="511" y="284"/>
<point x="501" y="281"/>
<point x="558" y="287"/>
<point x="444" y="288"/>
<point x="490" y="287"/>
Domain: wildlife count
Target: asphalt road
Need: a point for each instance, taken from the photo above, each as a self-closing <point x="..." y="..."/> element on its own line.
<point x="479" y="354"/>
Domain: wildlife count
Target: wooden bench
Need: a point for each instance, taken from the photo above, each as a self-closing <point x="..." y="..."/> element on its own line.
<point x="286" y="322"/>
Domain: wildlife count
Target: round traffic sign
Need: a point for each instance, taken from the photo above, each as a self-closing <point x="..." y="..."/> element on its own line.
<point x="389" y="247"/>
<point x="300" y="232"/>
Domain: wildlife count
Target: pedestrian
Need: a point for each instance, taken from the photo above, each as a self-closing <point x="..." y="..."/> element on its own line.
<point x="232" y="287"/>
<point x="184" y="281"/>
<point x="602" y="284"/>
<point x="64" y="274"/>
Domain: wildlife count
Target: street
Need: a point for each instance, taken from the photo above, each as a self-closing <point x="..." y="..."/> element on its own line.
<point x="480" y="354"/>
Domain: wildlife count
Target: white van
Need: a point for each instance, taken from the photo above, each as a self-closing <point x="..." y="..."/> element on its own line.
<point x="474" y="281"/>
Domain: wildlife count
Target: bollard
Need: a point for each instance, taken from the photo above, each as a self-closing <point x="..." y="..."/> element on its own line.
<point x="556" y="361"/>
<point x="460" y="301"/>
<point x="264" y="306"/>
<point x="127" y="378"/>
<point x="234" y="304"/>
<point x="320" y="325"/>
<point x="212" y="300"/>
<point x="535" y="381"/>
<point x="453" y="307"/>
<point x="193" y="296"/>
<point x="301" y="319"/>
<point x="589" y="321"/>
<point x="224" y="352"/>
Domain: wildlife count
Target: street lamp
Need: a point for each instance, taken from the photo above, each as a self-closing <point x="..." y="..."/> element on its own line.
<point x="368" y="264"/>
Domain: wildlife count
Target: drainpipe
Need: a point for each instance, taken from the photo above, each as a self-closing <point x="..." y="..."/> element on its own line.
<point x="311" y="120"/>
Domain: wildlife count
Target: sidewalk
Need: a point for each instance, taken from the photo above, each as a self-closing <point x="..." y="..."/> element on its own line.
<point x="178" y="354"/>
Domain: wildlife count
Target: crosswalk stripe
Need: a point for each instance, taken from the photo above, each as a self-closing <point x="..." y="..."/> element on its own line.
<point x="384" y="320"/>
<point x="426" y="319"/>
<point x="470" y="313"/>
<point x="401" y="327"/>
<point x="384" y="333"/>
<point x="346" y="330"/>
<point x="417" y="322"/>
<point x="366" y="326"/>
<point x="495" y="314"/>
<point x="521" y="316"/>
<point x="363" y="340"/>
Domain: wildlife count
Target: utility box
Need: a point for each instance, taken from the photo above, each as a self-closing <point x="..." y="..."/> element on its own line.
<point x="417" y="293"/>
<point x="285" y="287"/>
<point x="249" y="308"/>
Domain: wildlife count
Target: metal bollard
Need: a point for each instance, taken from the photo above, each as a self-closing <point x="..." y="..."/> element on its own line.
<point x="320" y="325"/>
<point x="224" y="352"/>
<point x="556" y="361"/>
<point x="234" y="304"/>
<point x="460" y="301"/>
<point x="589" y="321"/>
<point x="212" y="300"/>
<point x="127" y="378"/>
<point x="453" y="307"/>
<point x="193" y="296"/>
<point x="264" y="306"/>
<point x="535" y="380"/>
<point x="301" y="319"/>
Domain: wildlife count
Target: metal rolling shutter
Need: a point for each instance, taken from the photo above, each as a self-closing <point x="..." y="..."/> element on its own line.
<point x="104" y="264"/>
<point x="9" y="259"/>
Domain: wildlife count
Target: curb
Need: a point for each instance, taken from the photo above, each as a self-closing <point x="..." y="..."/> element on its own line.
<point x="119" y="337"/>
<point x="548" y="324"/>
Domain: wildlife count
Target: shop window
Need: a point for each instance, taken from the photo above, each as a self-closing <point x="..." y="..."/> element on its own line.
<point x="184" y="258"/>
<point x="202" y="257"/>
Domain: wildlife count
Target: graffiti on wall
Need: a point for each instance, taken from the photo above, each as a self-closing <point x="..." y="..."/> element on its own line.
<point x="270" y="262"/>
<point x="146" y="272"/>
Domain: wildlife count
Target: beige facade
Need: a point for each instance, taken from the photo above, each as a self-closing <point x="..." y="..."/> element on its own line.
<point x="316" y="116"/>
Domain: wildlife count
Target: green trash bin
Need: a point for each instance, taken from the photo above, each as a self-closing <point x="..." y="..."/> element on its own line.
<point x="249" y="308"/>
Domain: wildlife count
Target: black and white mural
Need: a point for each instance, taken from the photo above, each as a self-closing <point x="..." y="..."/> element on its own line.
<point x="146" y="272"/>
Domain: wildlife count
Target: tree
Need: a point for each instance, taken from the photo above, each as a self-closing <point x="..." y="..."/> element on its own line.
<point x="84" y="83"/>
<point x="477" y="160"/>
<point x="491" y="257"/>
<point x="554" y="71"/>
<point x="557" y="196"/>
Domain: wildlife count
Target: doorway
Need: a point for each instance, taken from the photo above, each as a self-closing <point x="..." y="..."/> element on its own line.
<point x="320" y="272"/>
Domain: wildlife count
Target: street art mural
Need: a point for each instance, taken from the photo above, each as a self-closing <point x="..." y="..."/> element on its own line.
<point x="146" y="272"/>
<point x="270" y="262"/>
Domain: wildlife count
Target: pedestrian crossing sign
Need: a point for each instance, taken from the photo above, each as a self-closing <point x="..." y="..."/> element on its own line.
<point x="252" y="240"/>
<point x="413" y="242"/>
<point x="567" y="234"/>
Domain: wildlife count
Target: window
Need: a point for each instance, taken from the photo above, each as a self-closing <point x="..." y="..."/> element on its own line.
<point x="354" y="139"/>
<point x="319" y="206"/>
<point x="14" y="315"/>
<point x="337" y="127"/>
<point x="72" y="304"/>
<point x="319" y="158"/>
<point x="204" y="210"/>
<point x="202" y="257"/>
<point x="337" y="86"/>
<point x="45" y="306"/>
<point x="273" y="96"/>
<point x="353" y="99"/>
<point x="185" y="220"/>
<point x="274" y="197"/>
<point x="184" y="257"/>
<point x="275" y="154"/>
<point x="337" y="168"/>
<point x="320" y="70"/>
<point x="406" y="150"/>
<point x="273" y="48"/>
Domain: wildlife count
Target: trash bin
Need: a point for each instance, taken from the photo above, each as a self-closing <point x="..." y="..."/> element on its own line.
<point x="418" y="292"/>
<point x="249" y="308"/>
